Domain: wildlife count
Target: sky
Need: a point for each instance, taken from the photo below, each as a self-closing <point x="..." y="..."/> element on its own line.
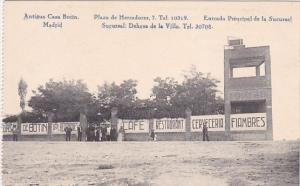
<point x="83" y="50"/>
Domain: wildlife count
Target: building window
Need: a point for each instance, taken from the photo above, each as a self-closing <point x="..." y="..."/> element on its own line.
<point x="262" y="69"/>
<point x="244" y="72"/>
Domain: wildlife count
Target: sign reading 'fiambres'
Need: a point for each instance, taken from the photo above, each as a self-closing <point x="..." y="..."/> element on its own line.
<point x="213" y="123"/>
<point x="169" y="125"/>
<point x="253" y="121"/>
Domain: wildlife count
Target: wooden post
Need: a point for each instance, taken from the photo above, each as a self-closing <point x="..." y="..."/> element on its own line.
<point x="188" y="114"/>
<point x="19" y="123"/>
<point x="50" y="116"/>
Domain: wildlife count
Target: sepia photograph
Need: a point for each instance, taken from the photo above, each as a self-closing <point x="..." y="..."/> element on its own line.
<point x="150" y="93"/>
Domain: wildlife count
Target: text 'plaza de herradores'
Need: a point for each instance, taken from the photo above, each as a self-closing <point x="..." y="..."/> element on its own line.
<point x="247" y="91"/>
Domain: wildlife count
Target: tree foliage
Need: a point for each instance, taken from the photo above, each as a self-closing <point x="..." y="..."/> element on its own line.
<point x="169" y="98"/>
<point x="63" y="98"/>
<point x="27" y="117"/>
<point x="122" y="96"/>
<point x="22" y="91"/>
<point x="197" y="92"/>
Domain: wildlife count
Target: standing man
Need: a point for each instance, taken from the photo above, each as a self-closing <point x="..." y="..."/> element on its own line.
<point x="15" y="133"/>
<point x="108" y="137"/>
<point x="79" y="133"/>
<point x="92" y="133"/>
<point x="103" y="133"/>
<point x="68" y="131"/>
<point x="87" y="133"/>
<point x="152" y="135"/>
<point x="97" y="136"/>
<point x="205" y="133"/>
<point x="121" y="135"/>
<point x="112" y="134"/>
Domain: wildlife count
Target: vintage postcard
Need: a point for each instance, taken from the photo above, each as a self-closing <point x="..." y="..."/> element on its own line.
<point x="150" y="93"/>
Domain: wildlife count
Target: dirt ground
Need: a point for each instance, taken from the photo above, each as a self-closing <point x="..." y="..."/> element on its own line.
<point x="151" y="163"/>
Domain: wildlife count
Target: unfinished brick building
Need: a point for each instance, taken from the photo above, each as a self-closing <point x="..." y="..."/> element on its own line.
<point x="247" y="92"/>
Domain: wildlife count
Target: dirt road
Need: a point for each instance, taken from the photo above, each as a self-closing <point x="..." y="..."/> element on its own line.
<point x="151" y="163"/>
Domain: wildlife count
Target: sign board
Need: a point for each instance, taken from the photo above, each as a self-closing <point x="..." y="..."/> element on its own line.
<point x="34" y="128"/>
<point x="7" y="128"/>
<point x="251" y="121"/>
<point x="169" y="125"/>
<point x="213" y="123"/>
<point x="59" y="128"/>
<point x="134" y="126"/>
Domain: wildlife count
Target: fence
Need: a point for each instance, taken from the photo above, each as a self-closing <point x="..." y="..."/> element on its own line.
<point x="250" y="126"/>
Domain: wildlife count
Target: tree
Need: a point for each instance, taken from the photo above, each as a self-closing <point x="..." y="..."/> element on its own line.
<point x="163" y="92"/>
<point x="197" y="91"/>
<point x="63" y="98"/>
<point x="122" y="96"/>
<point x="22" y="91"/>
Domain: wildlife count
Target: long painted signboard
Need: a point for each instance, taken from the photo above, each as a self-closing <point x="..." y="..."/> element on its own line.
<point x="169" y="125"/>
<point x="7" y="128"/>
<point x="59" y="128"/>
<point x="251" y="121"/>
<point x="134" y="126"/>
<point x="213" y="123"/>
<point x="34" y="128"/>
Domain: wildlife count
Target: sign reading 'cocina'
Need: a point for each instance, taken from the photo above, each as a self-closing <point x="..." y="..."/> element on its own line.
<point x="253" y="121"/>
<point x="213" y="123"/>
<point x="59" y="128"/>
<point x="134" y="126"/>
<point x="169" y="125"/>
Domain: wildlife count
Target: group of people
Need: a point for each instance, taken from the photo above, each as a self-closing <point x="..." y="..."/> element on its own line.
<point x="96" y="133"/>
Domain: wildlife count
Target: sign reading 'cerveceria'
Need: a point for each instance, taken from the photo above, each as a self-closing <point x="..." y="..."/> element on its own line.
<point x="253" y="121"/>
<point x="134" y="126"/>
<point x="213" y="123"/>
<point x="169" y="125"/>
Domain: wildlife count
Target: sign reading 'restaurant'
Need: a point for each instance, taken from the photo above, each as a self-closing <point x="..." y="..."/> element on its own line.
<point x="169" y="125"/>
<point x="34" y="128"/>
<point x="213" y="123"/>
<point x="251" y="121"/>
<point x="134" y="126"/>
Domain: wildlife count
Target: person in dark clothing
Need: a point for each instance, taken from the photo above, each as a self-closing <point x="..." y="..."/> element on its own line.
<point x="108" y="137"/>
<point x="97" y="134"/>
<point x="87" y="133"/>
<point x="112" y="134"/>
<point x="68" y="131"/>
<point x="92" y="133"/>
<point x="115" y="134"/>
<point x="152" y="135"/>
<point x="15" y="133"/>
<point x="79" y="133"/>
<point x="103" y="132"/>
<point x="205" y="133"/>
